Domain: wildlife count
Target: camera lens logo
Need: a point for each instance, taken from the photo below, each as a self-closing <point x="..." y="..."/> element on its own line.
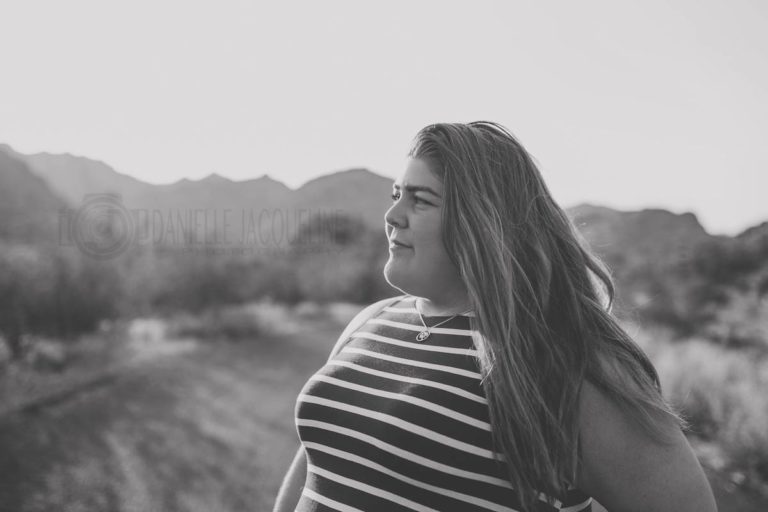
<point x="102" y="227"/>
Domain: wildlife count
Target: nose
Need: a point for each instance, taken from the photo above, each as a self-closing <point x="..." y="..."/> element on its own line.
<point x="395" y="217"/>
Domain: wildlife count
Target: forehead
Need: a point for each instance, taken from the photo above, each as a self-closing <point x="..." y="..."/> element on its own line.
<point x="418" y="173"/>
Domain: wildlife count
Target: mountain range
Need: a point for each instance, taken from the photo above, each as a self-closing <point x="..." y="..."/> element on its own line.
<point x="45" y="182"/>
<point x="263" y="207"/>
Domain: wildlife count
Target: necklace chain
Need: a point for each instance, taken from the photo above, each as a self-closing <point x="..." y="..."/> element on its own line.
<point x="423" y="335"/>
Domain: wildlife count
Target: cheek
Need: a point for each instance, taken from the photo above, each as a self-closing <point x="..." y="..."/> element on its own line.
<point x="431" y="243"/>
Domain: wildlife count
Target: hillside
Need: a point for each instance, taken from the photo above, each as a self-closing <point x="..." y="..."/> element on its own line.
<point x="29" y="210"/>
<point x="629" y="238"/>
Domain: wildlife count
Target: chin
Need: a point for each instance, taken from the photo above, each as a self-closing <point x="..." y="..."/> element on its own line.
<point x="395" y="276"/>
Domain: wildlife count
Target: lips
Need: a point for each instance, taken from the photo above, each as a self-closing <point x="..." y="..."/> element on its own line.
<point x="400" y="244"/>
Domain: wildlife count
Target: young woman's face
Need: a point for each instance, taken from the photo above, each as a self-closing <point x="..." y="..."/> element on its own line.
<point x="421" y="267"/>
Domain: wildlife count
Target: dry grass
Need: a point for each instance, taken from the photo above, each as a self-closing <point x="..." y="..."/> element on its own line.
<point x="724" y="394"/>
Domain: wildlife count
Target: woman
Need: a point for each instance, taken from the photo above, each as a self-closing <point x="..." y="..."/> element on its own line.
<point x="499" y="380"/>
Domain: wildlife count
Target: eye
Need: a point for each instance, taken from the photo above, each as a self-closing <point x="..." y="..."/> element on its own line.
<point x="416" y="199"/>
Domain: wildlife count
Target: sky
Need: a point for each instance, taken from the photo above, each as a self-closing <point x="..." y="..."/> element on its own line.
<point x="629" y="104"/>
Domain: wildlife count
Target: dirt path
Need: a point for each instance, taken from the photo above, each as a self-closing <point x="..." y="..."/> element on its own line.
<point x="207" y="430"/>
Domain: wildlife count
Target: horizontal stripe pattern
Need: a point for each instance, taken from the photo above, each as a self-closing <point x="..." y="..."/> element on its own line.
<point x="413" y="361"/>
<point x="415" y="345"/>
<point x="426" y="404"/>
<point x="394" y="424"/>
<point x="423" y="382"/>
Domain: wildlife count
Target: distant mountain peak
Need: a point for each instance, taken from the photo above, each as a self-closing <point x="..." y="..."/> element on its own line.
<point x="356" y="173"/>
<point x="215" y="178"/>
<point x="265" y="179"/>
<point x="355" y="170"/>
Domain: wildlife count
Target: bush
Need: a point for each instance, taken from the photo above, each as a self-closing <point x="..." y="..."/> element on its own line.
<point x="53" y="293"/>
<point x="722" y="393"/>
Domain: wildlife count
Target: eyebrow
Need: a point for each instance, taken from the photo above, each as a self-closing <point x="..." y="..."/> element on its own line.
<point x="417" y="188"/>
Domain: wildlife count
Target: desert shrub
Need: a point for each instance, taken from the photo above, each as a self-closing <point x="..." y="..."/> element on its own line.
<point x="53" y="293"/>
<point x="722" y="262"/>
<point x="194" y="282"/>
<point x="722" y="393"/>
<point x="338" y="258"/>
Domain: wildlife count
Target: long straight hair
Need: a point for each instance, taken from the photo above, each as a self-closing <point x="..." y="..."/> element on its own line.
<point x="542" y="302"/>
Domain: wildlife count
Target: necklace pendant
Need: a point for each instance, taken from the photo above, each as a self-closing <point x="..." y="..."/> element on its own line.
<point x="423" y="335"/>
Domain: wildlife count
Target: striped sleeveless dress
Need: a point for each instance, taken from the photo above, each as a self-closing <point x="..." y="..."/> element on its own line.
<point x="392" y="424"/>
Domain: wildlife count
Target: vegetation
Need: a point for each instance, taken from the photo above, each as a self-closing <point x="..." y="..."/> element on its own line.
<point x="52" y="293"/>
<point x="722" y="393"/>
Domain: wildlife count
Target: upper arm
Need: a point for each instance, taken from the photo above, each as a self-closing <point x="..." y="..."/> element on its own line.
<point x="290" y="491"/>
<point x="625" y="470"/>
<point x="357" y="322"/>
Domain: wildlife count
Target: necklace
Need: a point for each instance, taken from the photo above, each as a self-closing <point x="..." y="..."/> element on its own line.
<point x="423" y="335"/>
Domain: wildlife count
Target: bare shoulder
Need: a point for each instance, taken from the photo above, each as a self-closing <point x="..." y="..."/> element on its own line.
<point x="625" y="469"/>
